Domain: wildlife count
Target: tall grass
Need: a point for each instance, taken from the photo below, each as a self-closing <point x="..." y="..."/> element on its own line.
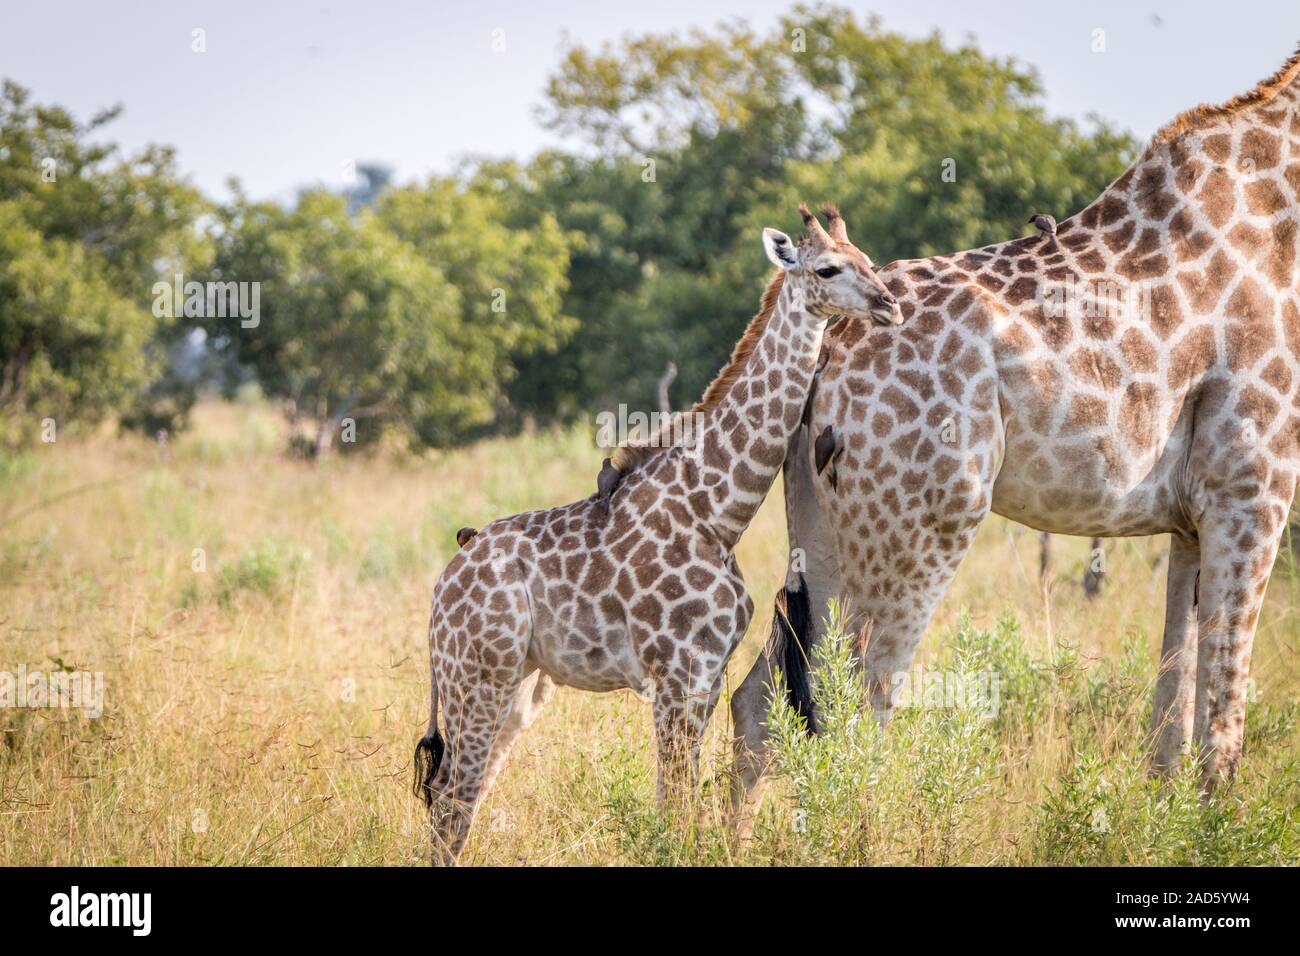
<point x="260" y="626"/>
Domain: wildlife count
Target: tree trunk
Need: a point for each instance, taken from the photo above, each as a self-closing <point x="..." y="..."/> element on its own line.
<point x="670" y="373"/>
<point x="328" y="428"/>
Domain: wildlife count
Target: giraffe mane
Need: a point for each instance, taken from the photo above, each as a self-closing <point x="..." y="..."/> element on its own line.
<point x="628" y="457"/>
<point x="1198" y="117"/>
<point x="723" y="381"/>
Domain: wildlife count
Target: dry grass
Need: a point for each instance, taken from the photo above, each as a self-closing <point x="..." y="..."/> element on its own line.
<point x="264" y="710"/>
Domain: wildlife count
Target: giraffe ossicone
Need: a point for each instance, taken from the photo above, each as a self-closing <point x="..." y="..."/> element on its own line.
<point x="636" y="587"/>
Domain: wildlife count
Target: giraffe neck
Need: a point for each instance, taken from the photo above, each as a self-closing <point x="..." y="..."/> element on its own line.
<point x="1214" y="197"/>
<point x="743" y="439"/>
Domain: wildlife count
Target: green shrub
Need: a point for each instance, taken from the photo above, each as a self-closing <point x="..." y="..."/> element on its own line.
<point x="829" y="775"/>
<point x="267" y="569"/>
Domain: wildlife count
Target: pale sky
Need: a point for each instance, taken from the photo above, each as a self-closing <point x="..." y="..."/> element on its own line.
<point x="288" y="92"/>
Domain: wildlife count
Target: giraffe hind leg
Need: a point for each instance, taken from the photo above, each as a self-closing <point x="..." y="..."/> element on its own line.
<point x="476" y="715"/>
<point x="477" y="669"/>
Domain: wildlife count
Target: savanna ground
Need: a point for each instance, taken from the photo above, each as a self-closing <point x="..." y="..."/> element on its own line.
<point x="264" y="710"/>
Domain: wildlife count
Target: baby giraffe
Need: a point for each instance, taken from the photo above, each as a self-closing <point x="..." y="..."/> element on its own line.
<point x="639" y="589"/>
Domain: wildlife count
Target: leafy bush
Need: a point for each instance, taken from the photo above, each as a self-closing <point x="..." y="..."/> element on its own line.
<point x="830" y="775"/>
<point x="267" y="569"/>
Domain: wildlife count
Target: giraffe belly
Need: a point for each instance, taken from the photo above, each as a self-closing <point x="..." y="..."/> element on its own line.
<point x="588" y="658"/>
<point x="1093" y="487"/>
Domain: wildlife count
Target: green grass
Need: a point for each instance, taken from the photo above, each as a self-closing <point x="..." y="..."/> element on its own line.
<point x="263" y="710"/>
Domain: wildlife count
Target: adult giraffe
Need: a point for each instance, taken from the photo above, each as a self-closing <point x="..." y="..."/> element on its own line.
<point x="1138" y="373"/>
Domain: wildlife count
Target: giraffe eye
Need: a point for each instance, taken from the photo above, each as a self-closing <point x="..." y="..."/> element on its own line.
<point x="829" y="272"/>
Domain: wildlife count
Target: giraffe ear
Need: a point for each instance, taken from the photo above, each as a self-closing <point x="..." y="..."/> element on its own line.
<point x="780" y="249"/>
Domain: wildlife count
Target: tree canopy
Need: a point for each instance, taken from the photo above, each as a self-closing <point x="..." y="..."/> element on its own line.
<point x="926" y="148"/>
<point x="403" y="318"/>
<point x="83" y="233"/>
<point x="541" y="290"/>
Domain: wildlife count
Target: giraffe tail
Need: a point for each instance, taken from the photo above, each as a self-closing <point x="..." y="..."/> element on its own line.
<point x="428" y="755"/>
<point x="792" y="634"/>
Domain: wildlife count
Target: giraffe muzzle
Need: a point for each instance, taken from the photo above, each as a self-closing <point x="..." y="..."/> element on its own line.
<point x="886" y="310"/>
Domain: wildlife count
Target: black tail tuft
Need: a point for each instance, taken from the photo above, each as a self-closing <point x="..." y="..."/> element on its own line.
<point x="428" y="755"/>
<point x="792" y="630"/>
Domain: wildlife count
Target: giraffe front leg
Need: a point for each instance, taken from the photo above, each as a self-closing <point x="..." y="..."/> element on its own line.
<point x="1171" y="714"/>
<point x="681" y="713"/>
<point x="892" y="615"/>
<point x="897" y="555"/>
<point x="1238" y="547"/>
<point x="678" y="749"/>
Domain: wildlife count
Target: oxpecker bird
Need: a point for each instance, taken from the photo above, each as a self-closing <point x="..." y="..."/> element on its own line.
<point x="607" y="482"/>
<point x="826" y="451"/>
<point x="1045" y="223"/>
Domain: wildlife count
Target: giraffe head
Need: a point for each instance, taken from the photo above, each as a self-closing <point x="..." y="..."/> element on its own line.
<point x="833" y="276"/>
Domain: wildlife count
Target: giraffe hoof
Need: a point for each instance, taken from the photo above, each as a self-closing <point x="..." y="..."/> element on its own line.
<point x="464" y="536"/>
